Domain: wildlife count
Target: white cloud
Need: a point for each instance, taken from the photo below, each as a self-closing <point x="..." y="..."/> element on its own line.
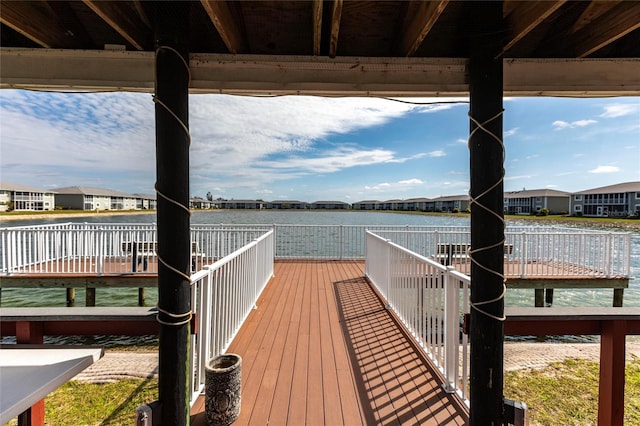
<point x="235" y="140"/>
<point x="619" y="110"/>
<point x="510" y="132"/>
<point x="605" y="169"/>
<point x="411" y="182"/>
<point x="560" y="125"/>
<point x="436" y="153"/>
<point x="394" y="187"/>
<point x="518" y="177"/>
<point x="333" y="161"/>
<point x="582" y="123"/>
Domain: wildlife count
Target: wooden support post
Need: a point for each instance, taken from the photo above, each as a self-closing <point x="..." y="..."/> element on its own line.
<point x="31" y="332"/>
<point x="618" y="295"/>
<point x="487" y="202"/>
<point x="173" y="217"/>
<point x="71" y="297"/>
<point x="539" y="302"/>
<point x="548" y="297"/>
<point x="134" y="256"/>
<point x="141" y="296"/>
<point x="612" y="365"/>
<point x="90" y="297"/>
<point x="34" y="416"/>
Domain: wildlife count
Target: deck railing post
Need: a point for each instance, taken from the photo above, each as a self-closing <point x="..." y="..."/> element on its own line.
<point x="451" y="329"/>
<point x="607" y="254"/>
<point x="389" y="254"/>
<point x="523" y="254"/>
<point x="255" y="252"/>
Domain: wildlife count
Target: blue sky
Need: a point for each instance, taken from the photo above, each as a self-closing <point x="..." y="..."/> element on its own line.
<point x="311" y="148"/>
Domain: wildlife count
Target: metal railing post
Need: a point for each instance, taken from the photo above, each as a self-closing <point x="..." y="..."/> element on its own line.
<point x="451" y="330"/>
<point x="389" y="262"/>
<point x="523" y="254"/>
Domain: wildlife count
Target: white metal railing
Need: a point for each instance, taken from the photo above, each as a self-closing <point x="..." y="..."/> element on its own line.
<point x="102" y="248"/>
<point x="430" y="300"/>
<point x="539" y="252"/>
<point x="223" y="295"/>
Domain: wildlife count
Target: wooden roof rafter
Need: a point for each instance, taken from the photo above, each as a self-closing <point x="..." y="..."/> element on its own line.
<point x="336" y="16"/>
<point x="526" y="18"/>
<point x="37" y="22"/>
<point x="127" y="24"/>
<point x="420" y="19"/>
<point x="617" y="22"/>
<point x="222" y="18"/>
<point x="317" y="26"/>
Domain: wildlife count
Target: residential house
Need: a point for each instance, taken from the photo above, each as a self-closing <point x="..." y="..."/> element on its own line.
<point x="367" y="205"/>
<point x="288" y="205"/>
<point x="242" y="204"/>
<point x="330" y="205"/>
<point x="527" y="202"/>
<point x="200" y="203"/>
<point x="145" y="201"/>
<point x="391" y="204"/>
<point x="449" y="203"/>
<point x="618" y="200"/>
<point x="88" y="198"/>
<point x="415" y="204"/>
<point x="16" y="197"/>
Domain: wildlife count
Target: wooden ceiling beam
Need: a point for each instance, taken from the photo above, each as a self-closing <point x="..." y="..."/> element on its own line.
<point x="336" y="16"/>
<point x="37" y="22"/>
<point x="614" y="24"/>
<point x="120" y="18"/>
<point x="527" y="16"/>
<point x="420" y="19"/>
<point x="312" y="75"/>
<point x="317" y="26"/>
<point x="222" y="18"/>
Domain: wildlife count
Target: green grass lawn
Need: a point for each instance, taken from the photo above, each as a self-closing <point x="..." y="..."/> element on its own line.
<point x="80" y="404"/>
<point x="566" y="393"/>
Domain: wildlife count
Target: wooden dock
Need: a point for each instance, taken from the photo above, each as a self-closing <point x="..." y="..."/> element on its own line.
<point x="321" y="349"/>
<point x="541" y="276"/>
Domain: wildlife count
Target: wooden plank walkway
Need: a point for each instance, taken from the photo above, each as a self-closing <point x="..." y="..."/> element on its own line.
<point x="321" y="349"/>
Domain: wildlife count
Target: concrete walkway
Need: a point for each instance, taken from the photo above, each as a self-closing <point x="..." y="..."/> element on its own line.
<point x="518" y="356"/>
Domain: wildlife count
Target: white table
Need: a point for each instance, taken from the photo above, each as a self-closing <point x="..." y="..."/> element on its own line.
<point x="28" y="373"/>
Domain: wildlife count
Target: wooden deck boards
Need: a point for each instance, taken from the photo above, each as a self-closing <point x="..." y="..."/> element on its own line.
<point x="321" y="349"/>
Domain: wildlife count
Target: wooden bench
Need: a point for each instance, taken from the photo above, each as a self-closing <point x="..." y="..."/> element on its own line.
<point x="141" y="251"/>
<point x="30" y="325"/>
<point x="447" y="252"/>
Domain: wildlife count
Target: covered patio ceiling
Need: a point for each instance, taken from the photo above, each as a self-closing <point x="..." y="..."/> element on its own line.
<point x="364" y="48"/>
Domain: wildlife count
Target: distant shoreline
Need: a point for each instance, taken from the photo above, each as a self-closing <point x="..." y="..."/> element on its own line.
<point x="551" y="220"/>
<point x="35" y="216"/>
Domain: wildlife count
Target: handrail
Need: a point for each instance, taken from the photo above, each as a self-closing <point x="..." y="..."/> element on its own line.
<point x="223" y="294"/>
<point x="403" y="278"/>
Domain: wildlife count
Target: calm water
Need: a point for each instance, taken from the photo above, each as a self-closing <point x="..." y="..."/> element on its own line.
<point x="128" y="297"/>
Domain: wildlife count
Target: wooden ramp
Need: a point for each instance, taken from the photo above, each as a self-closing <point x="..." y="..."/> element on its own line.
<point x="321" y="349"/>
